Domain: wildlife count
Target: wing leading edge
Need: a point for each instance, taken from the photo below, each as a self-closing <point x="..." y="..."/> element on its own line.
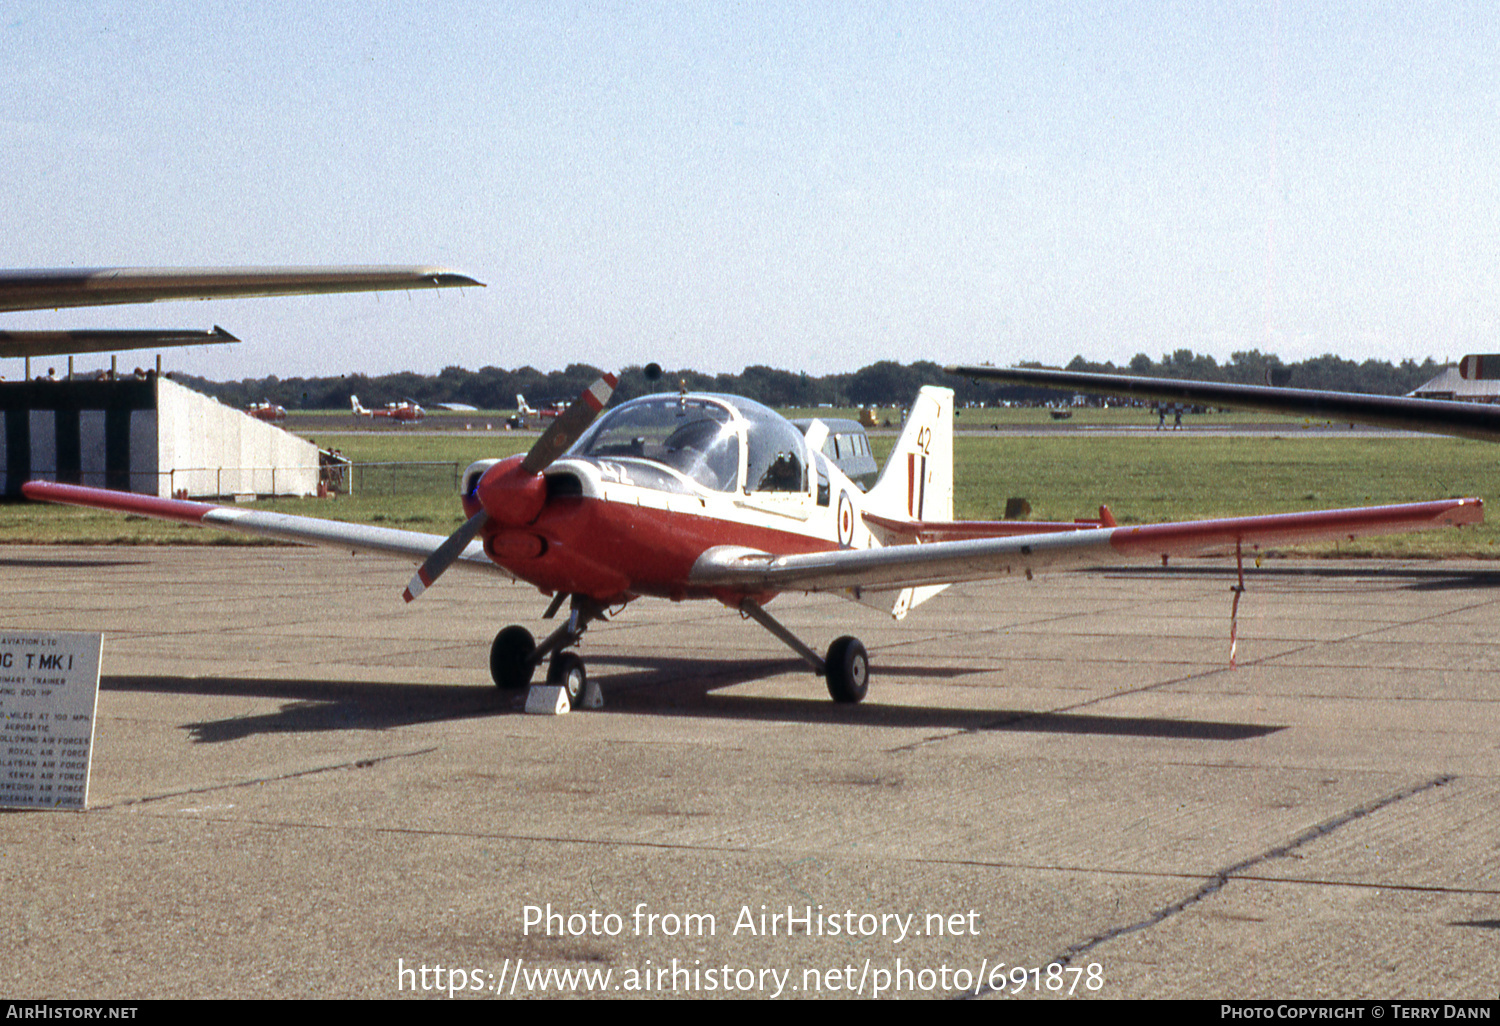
<point x="382" y="541"/>
<point x="105" y="286"/>
<point x="903" y="566"/>
<point x="1434" y="416"/>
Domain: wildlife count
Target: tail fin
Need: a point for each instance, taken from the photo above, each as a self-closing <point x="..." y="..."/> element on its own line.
<point x="917" y="480"/>
<point x="916" y="484"/>
<point x="521" y="407"/>
<point x="354" y="405"/>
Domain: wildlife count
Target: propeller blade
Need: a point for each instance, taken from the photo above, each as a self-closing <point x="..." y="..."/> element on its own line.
<point x="568" y="426"/>
<point x="561" y="433"/>
<point x="443" y="558"/>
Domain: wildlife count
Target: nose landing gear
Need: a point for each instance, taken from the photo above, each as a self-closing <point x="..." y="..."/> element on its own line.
<point x="515" y="655"/>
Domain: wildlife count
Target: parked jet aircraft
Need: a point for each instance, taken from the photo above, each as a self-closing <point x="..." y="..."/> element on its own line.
<point x="1435" y="416"/>
<point x="404" y="412"/>
<point x="696" y="496"/>
<point x="105" y="286"/>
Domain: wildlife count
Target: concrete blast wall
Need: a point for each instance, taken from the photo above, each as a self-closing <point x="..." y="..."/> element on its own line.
<point x="212" y="449"/>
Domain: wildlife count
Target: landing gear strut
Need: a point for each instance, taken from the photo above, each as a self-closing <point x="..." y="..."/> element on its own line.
<point x="515" y="655"/>
<point x="847" y="668"/>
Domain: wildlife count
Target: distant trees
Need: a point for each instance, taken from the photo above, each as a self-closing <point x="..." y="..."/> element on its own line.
<point x="885" y="383"/>
<point x="1253" y="367"/>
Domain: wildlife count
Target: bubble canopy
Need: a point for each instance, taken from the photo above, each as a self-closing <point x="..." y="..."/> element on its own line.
<point x="720" y="443"/>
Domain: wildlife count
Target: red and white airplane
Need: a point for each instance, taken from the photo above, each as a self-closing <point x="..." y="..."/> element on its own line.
<point x="696" y="496"/>
<point x="523" y="409"/>
<point x="404" y="412"/>
<point x="267" y="411"/>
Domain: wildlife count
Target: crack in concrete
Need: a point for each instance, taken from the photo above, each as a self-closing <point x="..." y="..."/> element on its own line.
<point x="356" y="764"/>
<point x="1220" y="878"/>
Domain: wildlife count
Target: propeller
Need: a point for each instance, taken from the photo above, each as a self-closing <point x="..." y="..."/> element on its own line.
<point x="564" y="430"/>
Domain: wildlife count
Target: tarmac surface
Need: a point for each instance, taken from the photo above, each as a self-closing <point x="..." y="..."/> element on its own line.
<point x="302" y="787"/>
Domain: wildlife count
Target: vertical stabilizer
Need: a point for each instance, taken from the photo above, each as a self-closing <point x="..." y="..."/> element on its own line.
<point x="917" y="483"/>
<point x="917" y="480"/>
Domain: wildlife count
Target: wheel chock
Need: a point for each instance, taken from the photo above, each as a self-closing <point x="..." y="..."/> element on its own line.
<point x="547" y="700"/>
<point x="593" y="696"/>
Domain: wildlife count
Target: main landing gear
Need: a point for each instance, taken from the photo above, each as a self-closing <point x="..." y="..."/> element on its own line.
<point x="515" y="655"/>
<point x="847" y="668"/>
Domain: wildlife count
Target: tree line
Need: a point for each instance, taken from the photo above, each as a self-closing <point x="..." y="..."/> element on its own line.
<point x="885" y="383"/>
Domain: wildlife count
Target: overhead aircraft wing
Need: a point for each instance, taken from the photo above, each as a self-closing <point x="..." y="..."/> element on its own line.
<point x="57" y="343"/>
<point x="946" y="562"/>
<point x="103" y="286"/>
<point x="382" y="541"/>
<point x="1435" y="416"/>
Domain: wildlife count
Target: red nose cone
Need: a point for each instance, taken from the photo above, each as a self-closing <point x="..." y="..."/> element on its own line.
<point x="512" y="497"/>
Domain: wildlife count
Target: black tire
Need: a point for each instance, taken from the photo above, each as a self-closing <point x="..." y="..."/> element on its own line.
<point x="510" y="658"/>
<point x="566" y="670"/>
<point x="848" y="670"/>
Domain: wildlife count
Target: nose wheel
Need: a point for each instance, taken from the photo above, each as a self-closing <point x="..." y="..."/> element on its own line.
<point x="566" y="671"/>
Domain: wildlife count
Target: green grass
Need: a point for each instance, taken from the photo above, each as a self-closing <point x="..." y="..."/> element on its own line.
<point x="1143" y="479"/>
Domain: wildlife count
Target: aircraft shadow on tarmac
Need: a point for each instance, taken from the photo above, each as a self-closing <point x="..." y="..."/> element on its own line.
<point x="67" y="563"/>
<point x="1434" y="578"/>
<point x="661" y="687"/>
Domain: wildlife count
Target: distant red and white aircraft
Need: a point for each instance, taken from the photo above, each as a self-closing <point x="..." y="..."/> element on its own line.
<point x="524" y="409"/>
<point x="267" y="411"/>
<point x="716" y="497"/>
<point x="404" y="412"/>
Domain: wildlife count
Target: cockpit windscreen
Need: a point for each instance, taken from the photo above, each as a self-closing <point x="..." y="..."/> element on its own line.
<point x="696" y="437"/>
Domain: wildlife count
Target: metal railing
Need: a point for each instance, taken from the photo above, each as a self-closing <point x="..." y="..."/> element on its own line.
<point x="399" y="478"/>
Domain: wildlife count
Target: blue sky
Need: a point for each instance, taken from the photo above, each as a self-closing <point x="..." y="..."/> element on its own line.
<point x="812" y="186"/>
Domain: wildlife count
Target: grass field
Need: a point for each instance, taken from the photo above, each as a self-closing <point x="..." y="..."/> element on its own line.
<point x="1143" y="479"/>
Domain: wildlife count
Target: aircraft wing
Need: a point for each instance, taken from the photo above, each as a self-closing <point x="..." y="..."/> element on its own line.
<point x="103" y="286"/>
<point x="1434" y="416"/>
<point x="382" y="541"/>
<point x="947" y="562"/>
<point x="57" y="343"/>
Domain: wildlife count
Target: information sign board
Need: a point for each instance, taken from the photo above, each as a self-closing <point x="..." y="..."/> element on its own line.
<point x="49" y="689"/>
